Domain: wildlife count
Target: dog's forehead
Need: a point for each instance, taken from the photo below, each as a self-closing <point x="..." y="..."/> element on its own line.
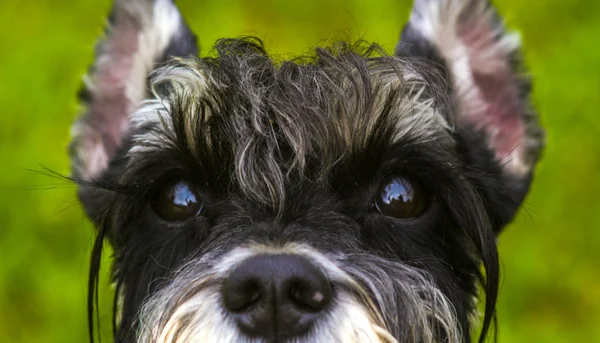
<point x="266" y="118"/>
<point x="345" y="100"/>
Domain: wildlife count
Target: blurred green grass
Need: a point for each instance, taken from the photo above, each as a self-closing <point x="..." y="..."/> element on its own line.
<point x="550" y="254"/>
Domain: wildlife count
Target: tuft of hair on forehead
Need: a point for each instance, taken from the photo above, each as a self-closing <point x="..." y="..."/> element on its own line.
<point x="276" y="120"/>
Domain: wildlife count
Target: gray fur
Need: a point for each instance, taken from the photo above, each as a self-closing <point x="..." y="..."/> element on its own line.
<point x="263" y="141"/>
<point x="269" y="105"/>
<point x="189" y="308"/>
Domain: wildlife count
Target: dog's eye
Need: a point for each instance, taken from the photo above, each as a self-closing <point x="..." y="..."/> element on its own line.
<point x="177" y="201"/>
<point x="401" y="198"/>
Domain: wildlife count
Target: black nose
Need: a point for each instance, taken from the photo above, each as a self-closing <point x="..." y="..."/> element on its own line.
<point x="276" y="296"/>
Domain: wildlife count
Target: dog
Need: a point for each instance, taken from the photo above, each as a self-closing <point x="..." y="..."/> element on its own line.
<point x="348" y="195"/>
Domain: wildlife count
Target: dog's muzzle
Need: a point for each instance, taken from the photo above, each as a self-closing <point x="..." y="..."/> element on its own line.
<point x="296" y="294"/>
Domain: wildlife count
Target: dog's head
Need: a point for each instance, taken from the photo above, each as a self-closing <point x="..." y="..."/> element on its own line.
<point x="348" y="196"/>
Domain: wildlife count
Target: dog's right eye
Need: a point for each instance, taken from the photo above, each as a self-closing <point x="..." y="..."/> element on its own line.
<point x="177" y="201"/>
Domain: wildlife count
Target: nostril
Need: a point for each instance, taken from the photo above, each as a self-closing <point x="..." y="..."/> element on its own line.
<point x="241" y="297"/>
<point x="309" y="298"/>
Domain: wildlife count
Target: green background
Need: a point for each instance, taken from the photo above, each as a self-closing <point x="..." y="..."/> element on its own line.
<point x="550" y="254"/>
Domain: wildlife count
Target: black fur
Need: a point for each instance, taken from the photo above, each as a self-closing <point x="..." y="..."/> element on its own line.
<point x="295" y="151"/>
<point x="328" y="200"/>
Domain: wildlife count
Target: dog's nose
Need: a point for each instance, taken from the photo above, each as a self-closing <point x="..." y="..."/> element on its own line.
<point x="276" y="296"/>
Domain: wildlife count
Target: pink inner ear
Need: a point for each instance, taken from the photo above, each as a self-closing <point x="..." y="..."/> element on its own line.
<point x="503" y="114"/>
<point x="99" y="132"/>
<point x="141" y="32"/>
<point x="499" y="110"/>
<point x="111" y="104"/>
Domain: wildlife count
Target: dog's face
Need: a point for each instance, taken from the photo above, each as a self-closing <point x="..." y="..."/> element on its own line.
<point x="345" y="197"/>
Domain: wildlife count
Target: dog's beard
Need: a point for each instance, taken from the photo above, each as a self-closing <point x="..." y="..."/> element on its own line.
<point x="376" y="300"/>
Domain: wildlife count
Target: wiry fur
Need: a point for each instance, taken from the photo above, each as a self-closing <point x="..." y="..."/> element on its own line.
<point x="288" y="156"/>
<point x="272" y="117"/>
<point x="189" y="309"/>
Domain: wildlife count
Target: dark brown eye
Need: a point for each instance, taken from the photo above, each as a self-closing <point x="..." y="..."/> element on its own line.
<point x="177" y="201"/>
<point x="400" y="197"/>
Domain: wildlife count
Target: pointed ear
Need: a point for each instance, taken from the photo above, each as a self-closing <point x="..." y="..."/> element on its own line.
<point x="495" y="122"/>
<point x="141" y="35"/>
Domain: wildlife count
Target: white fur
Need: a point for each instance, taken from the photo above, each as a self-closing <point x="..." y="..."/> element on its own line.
<point x="159" y="25"/>
<point x="190" y="308"/>
<point x="185" y="81"/>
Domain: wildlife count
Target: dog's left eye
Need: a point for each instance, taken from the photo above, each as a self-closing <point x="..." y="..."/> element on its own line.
<point x="177" y="201"/>
<point x="400" y="197"/>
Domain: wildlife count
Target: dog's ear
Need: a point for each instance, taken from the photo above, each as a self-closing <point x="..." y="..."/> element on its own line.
<point x="495" y="122"/>
<point x="141" y="35"/>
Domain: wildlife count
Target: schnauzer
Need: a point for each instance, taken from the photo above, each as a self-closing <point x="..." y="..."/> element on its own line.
<point x="344" y="196"/>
